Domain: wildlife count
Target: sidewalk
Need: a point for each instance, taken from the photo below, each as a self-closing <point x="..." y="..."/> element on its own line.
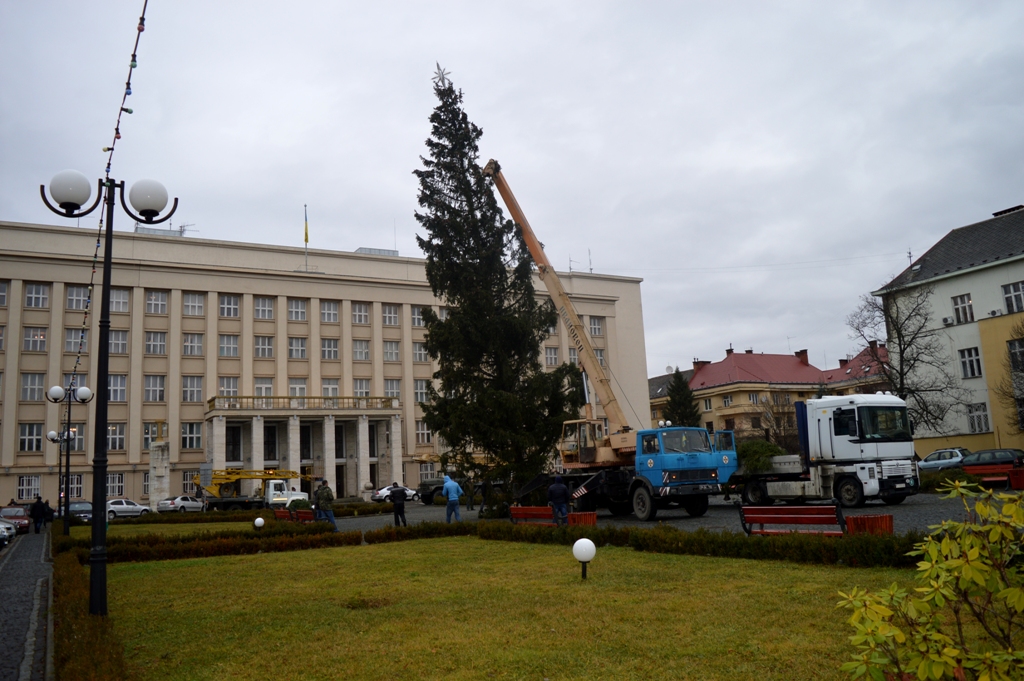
<point x="25" y="594"/>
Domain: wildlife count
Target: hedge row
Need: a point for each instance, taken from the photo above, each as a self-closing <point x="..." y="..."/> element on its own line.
<point x="85" y="648"/>
<point x="424" y="530"/>
<point x="340" y="511"/>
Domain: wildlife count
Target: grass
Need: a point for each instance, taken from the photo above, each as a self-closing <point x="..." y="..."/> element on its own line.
<point x="462" y="608"/>
<point x="116" y="530"/>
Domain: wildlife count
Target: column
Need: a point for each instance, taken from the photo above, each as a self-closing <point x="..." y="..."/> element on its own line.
<point x="172" y="388"/>
<point x="313" y="352"/>
<point x="257" y="448"/>
<point x="376" y="350"/>
<point x="397" y="470"/>
<point x="246" y="382"/>
<point x="363" y="454"/>
<point x="293" y="455"/>
<point x="281" y="359"/>
<point x="330" y="469"/>
<point x="346" y="348"/>
<point x="218" y="448"/>
<point x="136" y="348"/>
<point x="12" y="382"/>
<point x="54" y="375"/>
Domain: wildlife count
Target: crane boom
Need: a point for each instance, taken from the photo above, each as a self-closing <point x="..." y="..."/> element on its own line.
<point x="566" y="310"/>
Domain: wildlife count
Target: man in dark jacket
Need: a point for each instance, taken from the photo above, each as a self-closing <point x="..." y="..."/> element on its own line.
<point x="398" y="496"/>
<point x="558" y="500"/>
<point x="38" y="513"/>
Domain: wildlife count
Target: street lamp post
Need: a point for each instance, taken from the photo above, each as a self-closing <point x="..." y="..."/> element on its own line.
<point x="58" y="395"/>
<point x="71" y="190"/>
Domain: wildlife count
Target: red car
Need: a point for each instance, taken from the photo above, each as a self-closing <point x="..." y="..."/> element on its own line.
<point x="17" y="516"/>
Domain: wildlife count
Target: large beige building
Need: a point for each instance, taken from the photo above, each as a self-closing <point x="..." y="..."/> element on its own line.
<point x="243" y="356"/>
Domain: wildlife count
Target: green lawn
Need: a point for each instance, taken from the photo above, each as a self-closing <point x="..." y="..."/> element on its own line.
<point x="465" y="608"/>
<point x="116" y="530"/>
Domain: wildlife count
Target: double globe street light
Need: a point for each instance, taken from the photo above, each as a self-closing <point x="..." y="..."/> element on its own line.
<point x="59" y="395"/>
<point x="71" y="190"/>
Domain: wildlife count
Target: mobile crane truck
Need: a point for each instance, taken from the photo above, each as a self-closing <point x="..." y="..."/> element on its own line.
<point x="622" y="469"/>
<point x="221" y="488"/>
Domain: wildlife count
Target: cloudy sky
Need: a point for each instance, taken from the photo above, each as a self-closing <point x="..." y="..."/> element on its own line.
<point x="760" y="165"/>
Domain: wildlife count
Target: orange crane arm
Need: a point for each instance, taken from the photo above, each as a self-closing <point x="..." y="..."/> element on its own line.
<point x="566" y="310"/>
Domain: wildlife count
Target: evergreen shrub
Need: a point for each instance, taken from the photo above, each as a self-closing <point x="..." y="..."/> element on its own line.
<point x="755" y="456"/>
<point x="931" y="481"/>
<point x="362" y="508"/>
<point x="207" y="517"/>
<point x="424" y="530"/>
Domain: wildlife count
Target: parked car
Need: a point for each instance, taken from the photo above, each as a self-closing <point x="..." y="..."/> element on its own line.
<point x="7" y="533"/>
<point x="82" y="510"/>
<point x="384" y="494"/>
<point x="180" y="504"/>
<point x="125" y="508"/>
<point x="943" y="458"/>
<point x="993" y="460"/>
<point x="17" y="516"/>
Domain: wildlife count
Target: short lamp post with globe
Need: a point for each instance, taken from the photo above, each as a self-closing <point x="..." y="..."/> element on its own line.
<point x="59" y="395"/>
<point x="71" y="189"/>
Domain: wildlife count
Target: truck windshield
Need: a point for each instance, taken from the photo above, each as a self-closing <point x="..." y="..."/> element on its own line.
<point x="675" y="441"/>
<point x="884" y="424"/>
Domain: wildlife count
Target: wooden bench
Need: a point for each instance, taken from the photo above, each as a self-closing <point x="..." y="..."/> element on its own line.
<point x="533" y="515"/>
<point x="792" y="515"/>
<point x="282" y="514"/>
<point x="305" y="515"/>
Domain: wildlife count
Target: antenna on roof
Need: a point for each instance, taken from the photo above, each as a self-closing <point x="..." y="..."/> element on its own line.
<point x="910" y="256"/>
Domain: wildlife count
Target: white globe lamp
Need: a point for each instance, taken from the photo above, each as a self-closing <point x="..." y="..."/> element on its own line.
<point x="148" y="198"/>
<point x="70" y="189"/>
<point x="584" y="551"/>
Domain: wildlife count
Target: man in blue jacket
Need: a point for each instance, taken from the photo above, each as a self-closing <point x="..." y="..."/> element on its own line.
<point x="452" y="491"/>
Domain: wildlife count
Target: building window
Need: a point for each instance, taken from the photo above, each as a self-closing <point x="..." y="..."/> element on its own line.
<point x="115" y="437"/>
<point x="150" y="434"/>
<point x="156" y="302"/>
<point x="427" y="471"/>
<point x="574" y="357"/>
<point x="192" y="435"/>
<point x="296" y="310"/>
<point x="264" y="308"/>
<point x="730" y="424"/>
<point x="1" y="337"/>
<point x="35" y="339"/>
<point x="360" y="313"/>
<point x="755" y="422"/>
<point x="752" y="398"/>
<point x="191" y="388"/>
<point x="153" y="389"/>
<point x="28" y="487"/>
<point x="73" y="484"/>
<point x="600" y="355"/>
<point x="296" y="348"/>
<point x="264" y="387"/>
<point x="361" y="350"/>
<point x="392" y="387"/>
<point x="390" y="351"/>
<point x="30" y="437"/>
<point x="229" y="306"/>
<point x="119" y="300"/>
<point x="963" y="311"/>
<point x="417" y="315"/>
<point x="596" y="326"/>
<point x="117" y="388"/>
<point x="726" y="400"/>
<point x="1016" y="350"/>
<point x="361" y="387"/>
<point x="78" y="297"/>
<point x="423" y="435"/>
<point x="553" y="329"/>
<point x="707" y="404"/>
<point x="37" y="295"/>
<point x="3" y="294"/>
<point x="188" y="482"/>
<point x="32" y="387"/>
<point x="118" y="342"/>
<point x="977" y="418"/>
<point x="1013" y="294"/>
<point x="442" y="313"/>
<point x="420" y="390"/>
<point x="328" y="348"/>
<point x="192" y="344"/>
<point x="79" y="380"/>
<point x="970" y="363"/>
<point x="389" y="315"/>
<point x="227" y="386"/>
<point x="156" y="342"/>
<point x="419" y="352"/>
<point x="551" y="357"/>
<point x="193" y="304"/>
<point x="264" y="346"/>
<point x="75" y="340"/>
<point x="296" y="387"/>
<point x="145" y="484"/>
<point x="329" y="311"/>
<point x="78" y="437"/>
<point x="228" y="346"/>
<point x="329" y="387"/>
<point x="115" y="484"/>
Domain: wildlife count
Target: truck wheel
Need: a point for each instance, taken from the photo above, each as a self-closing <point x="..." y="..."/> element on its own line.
<point x="850" y="493"/>
<point x="620" y="508"/>
<point x="696" y="505"/>
<point x="755" y="494"/>
<point x="643" y="505"/>
<point x="894" y="499"/>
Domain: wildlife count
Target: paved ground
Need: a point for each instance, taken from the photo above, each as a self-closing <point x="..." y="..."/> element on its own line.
<point x="24" y="607"/>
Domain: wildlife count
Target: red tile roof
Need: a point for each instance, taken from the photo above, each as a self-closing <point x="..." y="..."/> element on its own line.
<point x="861" y="366"/>
<point x="747" y="367"/>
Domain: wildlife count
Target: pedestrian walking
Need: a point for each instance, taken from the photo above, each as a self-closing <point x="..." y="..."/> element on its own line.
<point x="452" y="491"/>
<point x="398" y="496"/>
<point x="558" y="500"/>
<point x="48" y="518"/>
<point x="38" y="513"/>
<point x="325" y="504"/>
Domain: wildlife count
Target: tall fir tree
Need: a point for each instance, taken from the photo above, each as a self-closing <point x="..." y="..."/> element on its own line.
<point x="681" y="409"/>
<point x="491" y="395"/>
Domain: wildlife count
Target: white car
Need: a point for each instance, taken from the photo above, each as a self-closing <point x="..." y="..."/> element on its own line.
<point x="943" y="458"/>
<point x="384" y="494"/>
<point x="7" y="533"/>
<point x="180" y="504"/>
<point x="125" y="508"/>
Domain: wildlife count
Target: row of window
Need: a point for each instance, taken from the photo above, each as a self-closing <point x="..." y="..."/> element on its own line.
<point x="28" y="485"/>
<point x="752" y="398"/>
<point x="1013" y="298"/>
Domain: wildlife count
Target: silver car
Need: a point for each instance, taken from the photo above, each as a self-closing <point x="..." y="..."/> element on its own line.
<point x="943" y="458"/>
<point x="182" y="504"/>
<point x="7" y="533"/>
<point x="125" y="508"/>
<point x="384" y="495"/>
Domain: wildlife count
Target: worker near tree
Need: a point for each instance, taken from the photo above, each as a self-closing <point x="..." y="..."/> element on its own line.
<point x="451" y="491"/>
<point x="398" y="496"/>
<point x="325" y="503"/>
<point x="558" y="500"/>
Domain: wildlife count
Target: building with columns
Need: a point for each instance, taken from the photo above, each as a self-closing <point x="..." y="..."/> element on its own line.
<point x="243" y="356"/>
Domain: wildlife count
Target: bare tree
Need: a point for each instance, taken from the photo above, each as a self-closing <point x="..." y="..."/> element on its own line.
<point x="773" y="418"/>
<point x="1010" y="388"/>
<point x="913" y="360"/>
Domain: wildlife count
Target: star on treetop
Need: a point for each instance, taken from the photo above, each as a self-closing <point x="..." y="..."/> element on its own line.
<point x="440" y="76"/>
